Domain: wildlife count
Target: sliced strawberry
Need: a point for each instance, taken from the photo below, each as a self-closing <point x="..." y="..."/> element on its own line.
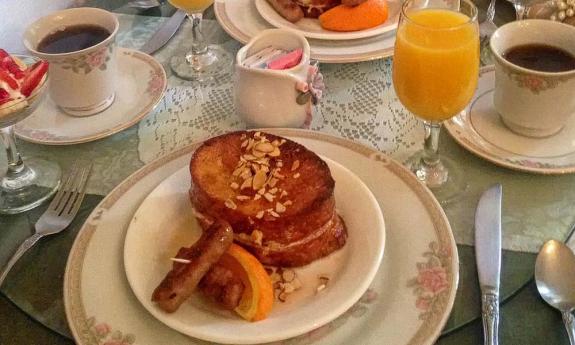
<point x="7" y="78"/>
<point x="4" y="94"/>
<point x="2" y="101"/>
<point x="3" y="54"/>
<point x="33" y="77"/>
<point x="9" y="64"/>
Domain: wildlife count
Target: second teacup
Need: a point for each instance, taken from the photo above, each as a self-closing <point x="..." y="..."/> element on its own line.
<point x="82" y="74"/>
<point x="532" y="102"/>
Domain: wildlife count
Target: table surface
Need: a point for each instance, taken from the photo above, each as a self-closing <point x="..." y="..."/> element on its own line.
<point x="360" y="105"/>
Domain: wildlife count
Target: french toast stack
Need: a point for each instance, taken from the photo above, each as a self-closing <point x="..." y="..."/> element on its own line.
<point x="277" y="196"/>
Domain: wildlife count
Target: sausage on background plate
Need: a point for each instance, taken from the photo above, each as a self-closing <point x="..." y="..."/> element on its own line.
<point x="181" y="281"/>
<point x="288" y="9"/>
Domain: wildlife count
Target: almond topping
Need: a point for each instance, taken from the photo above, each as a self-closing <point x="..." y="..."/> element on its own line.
<point x="247" y="183"/>
<point x="262" y="191"/>
<point x="257" y="197"/>
<point x="260" y="215"/>
<point x="257" y="237"/>
<point x="296" y="175"/>
<point x="182" y="261"/>
<point x="279" y="164"/>
<point x="234" y="185"/>
<point x="295" y="165"/>
<point x="259" y="180"/>
<point x="275" y="152"/>
<point x="242" y="197"/>
<point x="280" y="208"/>
<point x="288" y="202"/>
<point x="249" y="157"/>
<point x="258" y="154"/>
<point x="284" y="193"/>
<point x="269" y="197"/>
<point x="244" y="143"/>
<point x="251" y="143"/>
<point x="230" y="204"/>
<point x="273" y="213"/>
<point x="265" y="147"/>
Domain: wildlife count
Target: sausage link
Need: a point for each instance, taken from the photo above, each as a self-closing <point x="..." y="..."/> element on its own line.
<point x="288" y="9"/>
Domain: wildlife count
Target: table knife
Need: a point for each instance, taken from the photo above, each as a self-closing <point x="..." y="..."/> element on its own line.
<point x="488" y="257"/>
<point x="164" y="33"/>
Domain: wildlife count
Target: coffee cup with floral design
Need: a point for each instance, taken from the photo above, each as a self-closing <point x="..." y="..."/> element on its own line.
<point x="530" y="102"/>
<point x="82" y="82"/>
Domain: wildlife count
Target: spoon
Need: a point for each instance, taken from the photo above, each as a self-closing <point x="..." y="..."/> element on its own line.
<point x="555" y="278"/>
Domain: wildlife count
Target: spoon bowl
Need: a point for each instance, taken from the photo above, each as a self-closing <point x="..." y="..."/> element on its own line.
<point x="555" y="279"/>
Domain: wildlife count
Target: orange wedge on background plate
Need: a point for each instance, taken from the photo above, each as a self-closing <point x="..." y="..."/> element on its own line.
<point x="368" y="14"/>
<point x="258" y="297"/>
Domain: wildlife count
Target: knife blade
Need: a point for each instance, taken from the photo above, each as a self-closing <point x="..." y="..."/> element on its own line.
<point x="488" y="258"/>
<point x="164" y="33"/>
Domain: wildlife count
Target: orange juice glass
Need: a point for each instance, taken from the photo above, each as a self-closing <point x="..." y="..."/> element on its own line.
<point x="435" y="72"/>
<point x="203" y="62"/>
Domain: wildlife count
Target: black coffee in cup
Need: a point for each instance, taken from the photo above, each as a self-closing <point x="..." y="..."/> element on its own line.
<point x="540" y="57"/>
<point x="73" y="38"/>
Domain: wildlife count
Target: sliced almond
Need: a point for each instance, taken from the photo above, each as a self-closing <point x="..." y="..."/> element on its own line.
<point x="275" y="153"/>
<point x="273" y="190"/>
<point x="237" y="171"/>
<point x="276" y="174"/>
<point x="279" y="164"/>
<point x="282" y="194"/>
<point x="276" y="142"/>
<point x="265" y="147"/>
<point x="257" y="237"/>
<point x="269" y="197"/>
<point x="234" y="185"/>
<point x="257" y="197"/>
<point x="288" y="202"/>
<point x="242" y="197"/>
<point x="249" y="157"/>
<point x="261" y="191"/>
<point x="295" y="165"/>
<point x="230" y="204"/>
<point x="244" y="143"/>
<point x="259" y="180"/>
<point x="247" y="183"/>
<point x="260" y="214"/>
<point x="246" y="173"/>
<point x="181" y="261"/>
<point x="296" y="175"/>
<point x="275" y="214"/>
<point x="258" y="154"/>
<point x="280" y="208"/>
<point x="251" y="143"/>
<point x="273" y="181"/>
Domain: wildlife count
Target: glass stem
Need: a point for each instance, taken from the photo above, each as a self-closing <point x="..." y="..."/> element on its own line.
<point x="519" y="10"/>
<point x="15" y="163"/>
<point x="199" y="46"/>
<point x="431" y="142"/>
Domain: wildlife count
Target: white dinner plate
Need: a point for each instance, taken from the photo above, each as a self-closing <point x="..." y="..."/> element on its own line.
<point x="310" y="27"/>
<point x="407" y="303"/>
<point x="351" y="269"/>
<point x="480" y="130"/>
<point x="241" y="20"/>
<point x="140" y="85"/>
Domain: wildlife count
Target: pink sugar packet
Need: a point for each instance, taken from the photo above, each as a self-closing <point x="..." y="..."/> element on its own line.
<point x="286" y="61"/>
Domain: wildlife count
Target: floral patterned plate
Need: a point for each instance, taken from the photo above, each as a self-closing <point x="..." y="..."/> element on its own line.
<point x="350" y="270"/>
<point x="480" y="130"/>
<point x="407" y="303"/>
<point x="140" y="85"/>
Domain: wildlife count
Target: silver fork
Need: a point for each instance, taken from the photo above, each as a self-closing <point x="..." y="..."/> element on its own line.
<point x="59" y="214"/>
<point x="486" y="30"/>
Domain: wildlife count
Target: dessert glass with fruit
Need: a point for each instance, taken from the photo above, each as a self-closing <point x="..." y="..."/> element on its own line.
<point x="203" y="62"/>
<point x="23" y="84"/>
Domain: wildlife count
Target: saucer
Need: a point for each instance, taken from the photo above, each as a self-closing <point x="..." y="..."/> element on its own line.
<point x="480" y="130"/>
<point x="140" y="85"/>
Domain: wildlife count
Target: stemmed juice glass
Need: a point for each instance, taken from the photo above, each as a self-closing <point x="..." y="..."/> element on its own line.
<point x="24" y="185"/>
<point x="435" y="72"/>
<point x="203" y="62"/>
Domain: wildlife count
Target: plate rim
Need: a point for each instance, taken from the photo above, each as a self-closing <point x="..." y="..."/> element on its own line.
<point x="232" y="30"/>
<point x="332" y="35"/>
<point x="151" y="106"/>
<point x="471" y="146"/>
<point x="340" y="308"/>
<point x="427" y="333"/>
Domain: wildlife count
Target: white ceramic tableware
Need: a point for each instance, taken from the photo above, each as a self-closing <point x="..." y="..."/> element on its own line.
<point x="82" y="82"/>
<point x="350" y="269"/>
<point x="310" y="27"/>
<point x="407" y="303"/>
<point x="533" y="103"/>
<point x="141" y="83"/>
<point x="270" y="98"/>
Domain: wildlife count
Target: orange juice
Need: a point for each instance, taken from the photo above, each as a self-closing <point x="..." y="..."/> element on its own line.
<point x="436" y="63"/>
<point x="192" y="6"/>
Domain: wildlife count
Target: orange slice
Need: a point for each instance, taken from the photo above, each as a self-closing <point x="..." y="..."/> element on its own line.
<point x="258" y="297"/>
<point x="366" y="15"/>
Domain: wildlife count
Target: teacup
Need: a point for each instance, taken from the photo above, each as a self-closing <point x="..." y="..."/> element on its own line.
<point x="533" y="103"/>
<point x="276" y="98"/>
<point x="82" y="82"/>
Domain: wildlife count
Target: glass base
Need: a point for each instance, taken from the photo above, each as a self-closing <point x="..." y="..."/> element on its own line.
<point x="30" y="188"/>
<point x="203" y="67"/>
<point x="444" y="179"/>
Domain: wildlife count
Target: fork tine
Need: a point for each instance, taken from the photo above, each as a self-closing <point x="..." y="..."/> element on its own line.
<point x="64" y="186"/>
<point x="78" y="192"/>
<point x="66" y="191"/>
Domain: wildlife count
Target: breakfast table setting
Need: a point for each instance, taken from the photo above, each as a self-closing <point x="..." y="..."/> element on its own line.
<point x="449" y="245"/>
